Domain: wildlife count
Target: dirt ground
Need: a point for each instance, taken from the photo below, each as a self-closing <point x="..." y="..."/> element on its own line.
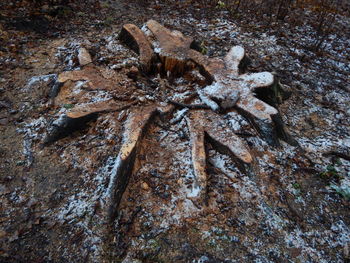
<point x="292" y="205"/>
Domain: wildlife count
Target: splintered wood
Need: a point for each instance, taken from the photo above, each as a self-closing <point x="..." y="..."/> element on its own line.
<point x="204" y="123"/>
<point x="97" y="107"/>
<point x="134" y="128"/>
<point x="95" y="77"/>
<point x="137" y="41"/>
<point x="77" y="85"/>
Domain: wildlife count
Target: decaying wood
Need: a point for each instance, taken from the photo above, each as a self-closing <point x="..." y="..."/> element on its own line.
<point x="225" y="88"/>
<point x="134" y="129"/>
<point x="134" y="38"/>
<point x="174" y="50"/>
<point x="74" y="86"/>
<point x="198" y="155"/>
<point x="227" y="83"/>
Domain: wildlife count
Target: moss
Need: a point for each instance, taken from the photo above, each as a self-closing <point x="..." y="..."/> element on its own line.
<point x="68" y="106"/>
<point x="109" y="21"/>
<point x="296" y="186"/>
<point x="221" y="5"/>
<point x="331" y="173"/>
<point x="105" y="5"/>
<point x="342" y="191"/>
<point x="153" y="244"/>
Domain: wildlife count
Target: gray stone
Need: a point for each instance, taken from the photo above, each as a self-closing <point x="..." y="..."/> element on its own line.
<point x="84" y="57"/>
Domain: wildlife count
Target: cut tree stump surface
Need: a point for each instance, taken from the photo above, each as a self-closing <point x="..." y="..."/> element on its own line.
<point x="134" y="38"/>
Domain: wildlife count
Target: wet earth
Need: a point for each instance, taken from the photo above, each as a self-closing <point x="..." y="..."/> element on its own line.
<point x="291" y="206"/>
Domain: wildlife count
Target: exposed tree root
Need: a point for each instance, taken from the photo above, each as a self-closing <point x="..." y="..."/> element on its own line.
<point x="206" y="126"/>
<point x="134" y="128"/>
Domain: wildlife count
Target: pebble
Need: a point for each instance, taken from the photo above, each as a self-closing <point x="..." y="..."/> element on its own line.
<point x="4" y="121"/>
<point x="84" y="57"/>
<point x="117" y="66"/>
<point x="346" y="251"/>
<point x="145" y="186"/>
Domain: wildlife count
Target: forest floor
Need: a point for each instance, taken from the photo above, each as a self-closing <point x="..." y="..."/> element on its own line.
<point x="292" y="207"/>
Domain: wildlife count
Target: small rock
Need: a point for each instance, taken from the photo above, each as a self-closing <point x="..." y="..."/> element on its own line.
<point x="2" y="234"/>
<point x="117" y="66"/>
<point x="295" y="252"/>
<point x="84" y="57"/>
<point x="4" y="121"/>
<point x="3" y="191"/>
<point x="346" y="251"/>
<point x="145" y="186"/>
<point x="4" y="104"/>
<point x="148" y="97"/>
<point x="133" y="73"/>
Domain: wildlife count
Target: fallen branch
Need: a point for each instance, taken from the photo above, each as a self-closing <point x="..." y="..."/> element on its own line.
<point x="337" y="154"/>
<point x="190" y="106"/>
<point x="308" y="170"/>
<point x="245" y="134"/>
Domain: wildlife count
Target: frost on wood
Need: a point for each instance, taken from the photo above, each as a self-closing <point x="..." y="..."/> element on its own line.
<point x="171" y="46"/>
<point x="227" y="88"/>
<point x="168" y="53"/>
<point x="97" y="107"/>
<point x="132" y="36"/>
<point x="202" y="124"/>
<point x="84" y="93"/>
<point x="231" y="89"/>
<point x="95" y="77"/>
<point x="133" y="130"/>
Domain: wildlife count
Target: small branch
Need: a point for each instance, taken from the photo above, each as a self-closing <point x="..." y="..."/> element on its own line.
<point x="94" y="146"/>
<point x="233" y="180"/>
<point x="190" y="106"/>
<point x="245" y="134"/>
<point x="307" y="170"/>
<point x="338" y="154"/>
<point x="179" y="118"/>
